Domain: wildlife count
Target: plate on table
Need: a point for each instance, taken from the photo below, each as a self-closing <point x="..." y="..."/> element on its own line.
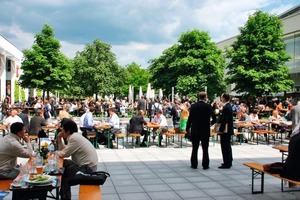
<point x="40" y="180"/>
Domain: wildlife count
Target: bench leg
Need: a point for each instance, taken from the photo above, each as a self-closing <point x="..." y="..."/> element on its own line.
<point x="254" y="175"/>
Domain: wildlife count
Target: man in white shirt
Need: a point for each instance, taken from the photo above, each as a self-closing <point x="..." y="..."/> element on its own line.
<point x="114" y="122"/>
<point x="160" y="119"/>
<point x="11" y="119"/>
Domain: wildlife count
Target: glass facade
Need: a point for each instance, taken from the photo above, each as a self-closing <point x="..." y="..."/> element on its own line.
<point x="292" y="45"/>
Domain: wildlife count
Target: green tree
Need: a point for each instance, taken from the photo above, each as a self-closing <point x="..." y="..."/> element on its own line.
<point x="257" y="58"/>
<point x="135" y="76"/>
<point x="96" y="71"/>
<point x="17" y="91"/>
<point x="190" y="65"/>
<point x="44" y="66"/>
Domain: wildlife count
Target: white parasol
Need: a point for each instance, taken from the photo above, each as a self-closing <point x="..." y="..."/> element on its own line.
<point x="140" y="92"/>
<point x="160" y="94"/>
<point x="148" y="93"/>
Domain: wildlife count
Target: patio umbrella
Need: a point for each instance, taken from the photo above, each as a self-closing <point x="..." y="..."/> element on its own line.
<point x="129" y="94"/>
<point x="140" y="92"/>
<point x="160" y="94"/>
<point x="148" y="93"/>
<point x="152" y="93"/>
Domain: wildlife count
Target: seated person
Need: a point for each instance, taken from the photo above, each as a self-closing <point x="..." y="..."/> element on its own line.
<point x="64" y="113"/>
<point x="161" y="120"/>
<point x="10" y="119"/>
<point x="11" y="148"/>
<point x="292" y="165"/>
<point x="243" y="117"/>
<point x="114" y="122"/>
<point x="88" y="122"/>
<point x="36" y="123"/>
<point x="84" y="157"/>
<point x="276" y="119"/>
<point x="137" y="123"/>
<point x="254" y="120"/>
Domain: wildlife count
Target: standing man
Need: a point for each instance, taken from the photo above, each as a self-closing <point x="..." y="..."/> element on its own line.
<point x="199" y="122"/>
<point x="226" y="120"/>
<point x="142" y="104"/>
<point x="295" y="114"/>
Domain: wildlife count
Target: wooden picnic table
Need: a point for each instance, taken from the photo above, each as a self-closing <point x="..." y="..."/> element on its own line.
<point x="106" y="130"/>
<point x="38" y="191"/>
<point x="284" y="151"/>
<point x="152" y="126"/>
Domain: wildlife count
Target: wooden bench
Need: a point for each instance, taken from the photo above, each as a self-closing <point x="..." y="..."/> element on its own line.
<point x="258" y="169"/>
<point x="118" y="137"/>
<point x="137" y="136"/>
<point x="90" y="192"/>
<point x="5" y="184"/>
<point x="169" y="134"/>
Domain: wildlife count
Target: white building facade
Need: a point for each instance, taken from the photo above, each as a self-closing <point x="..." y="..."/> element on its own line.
<point x="10" y="69"/>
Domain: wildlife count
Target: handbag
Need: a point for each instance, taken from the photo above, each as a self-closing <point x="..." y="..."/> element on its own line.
<point x="217" y="127"/>
<point x="274" y="168"/>
<point x="94" y="178"/>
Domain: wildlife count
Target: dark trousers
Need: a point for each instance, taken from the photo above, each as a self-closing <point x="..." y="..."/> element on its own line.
<point x="205" y="157"/>
<point x="226" y="149"/>
<point x="70" y="170"/>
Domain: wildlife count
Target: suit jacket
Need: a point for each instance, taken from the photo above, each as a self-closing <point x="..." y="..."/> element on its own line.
<point x="136" y="124"/>
<point x="292" y="164"/>
<point x="36" y="124"/>
<point x="142" y="105"/>
<point x="200" y="120"/>
<point x="226" y="118"/>
<point x="295" y="114"/>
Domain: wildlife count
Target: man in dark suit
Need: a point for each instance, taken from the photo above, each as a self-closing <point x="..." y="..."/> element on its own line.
<point x="226" y="119"/>
<point x="141" y="105"/>
<point x="292" y="165"/>
<point x="199" y="121"/>
<point x="136" y="125"/>
<point x="295" y="114"/>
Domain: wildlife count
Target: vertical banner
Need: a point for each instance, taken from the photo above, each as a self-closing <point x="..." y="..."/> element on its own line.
<point x="8" y="90"/>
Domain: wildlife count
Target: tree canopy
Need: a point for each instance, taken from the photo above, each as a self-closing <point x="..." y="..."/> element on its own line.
<point x="135" y="76"/>
<point x="190" y="65"/>
<point x="44" y="66"/>
<point x="257" y="59"/>
<point x="96" y="71"/>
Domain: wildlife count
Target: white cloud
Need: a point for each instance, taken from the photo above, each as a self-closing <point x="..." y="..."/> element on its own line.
<point x="138" y="30"/>
<point x="139" y="53"/>
<point x="18" y="37"/>
<point x="70" y="49"/>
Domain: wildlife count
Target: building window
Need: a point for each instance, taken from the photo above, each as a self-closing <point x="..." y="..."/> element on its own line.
<point x="8" y="65"/>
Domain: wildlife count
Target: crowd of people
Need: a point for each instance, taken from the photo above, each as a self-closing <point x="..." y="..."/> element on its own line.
<point x="193" y="118"/>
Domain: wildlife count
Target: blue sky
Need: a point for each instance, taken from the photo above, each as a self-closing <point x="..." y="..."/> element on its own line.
<point x="138" y="30"/>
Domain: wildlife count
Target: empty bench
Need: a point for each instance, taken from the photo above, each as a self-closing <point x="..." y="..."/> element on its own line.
<point x="258" y="169"/>
<point x="90" y="192"/>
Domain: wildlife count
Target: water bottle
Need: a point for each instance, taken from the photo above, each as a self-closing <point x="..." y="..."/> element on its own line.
<point x="51" y="148"/>
<point x="39" y="159"/>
